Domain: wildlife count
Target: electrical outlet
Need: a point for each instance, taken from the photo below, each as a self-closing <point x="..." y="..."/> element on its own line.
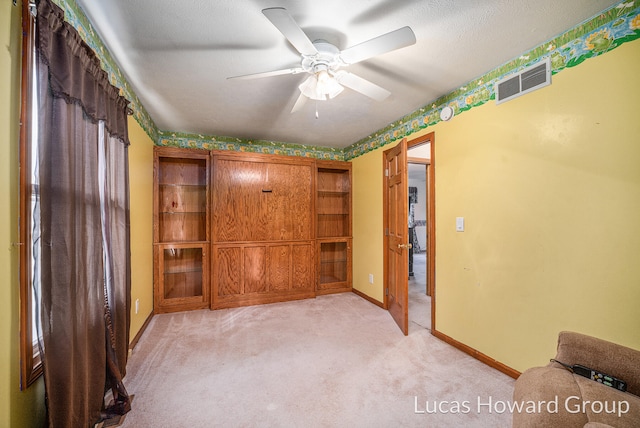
<point x="137" y="305"/>
<point x="370" y="278"/>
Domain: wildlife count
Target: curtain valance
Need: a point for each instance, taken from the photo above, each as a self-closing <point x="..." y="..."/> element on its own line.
<point x="75" y="71"/>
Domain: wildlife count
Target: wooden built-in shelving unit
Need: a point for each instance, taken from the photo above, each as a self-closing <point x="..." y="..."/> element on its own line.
<point x="333" y="222"/>
<point x="181" y="229"/>
<point x="235" y="229"/>
<point x="262" y="229"/>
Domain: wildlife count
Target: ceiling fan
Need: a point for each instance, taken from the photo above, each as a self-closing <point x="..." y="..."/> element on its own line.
<point x="323" y="61"/>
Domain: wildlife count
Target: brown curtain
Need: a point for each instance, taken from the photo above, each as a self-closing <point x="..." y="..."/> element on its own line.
<point x="84" y="221"/>
<point x="114" y="164"/>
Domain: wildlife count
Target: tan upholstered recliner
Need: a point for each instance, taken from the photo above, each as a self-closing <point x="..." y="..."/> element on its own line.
<point x="553" y="396"/>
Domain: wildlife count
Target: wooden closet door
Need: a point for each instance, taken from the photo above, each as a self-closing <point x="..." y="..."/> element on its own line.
<point x="263" y="229"/>
<point x="239" y="201"/>
<point x="259" y="201"/>
<point x="288" y="205"/>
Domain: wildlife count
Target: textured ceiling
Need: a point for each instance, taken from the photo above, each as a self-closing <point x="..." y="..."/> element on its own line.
<point x="177" y="55"/>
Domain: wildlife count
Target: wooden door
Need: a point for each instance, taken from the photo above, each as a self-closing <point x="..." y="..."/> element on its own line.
<point x="396" y="234"/>
<point x="427" y="231"/>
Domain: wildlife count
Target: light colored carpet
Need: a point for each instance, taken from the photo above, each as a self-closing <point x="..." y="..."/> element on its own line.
<point x="419" y="302"/>
<point x="333" y="361"/>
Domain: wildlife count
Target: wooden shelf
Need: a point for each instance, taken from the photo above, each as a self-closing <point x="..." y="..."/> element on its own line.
<point x="328" y="264"/>
<point x="185" y="285"/>
<point x="184" y="212"/>
<point x="327" y="279"/>
<point x="176" y="272"/>
<point x="196" y="186"/>
<point x="333" y="193"/>
<point x="182" y="226"/>
<point x="181" y="229"/>
<point x="333" y="227"/>
<point x="182" y="271"/>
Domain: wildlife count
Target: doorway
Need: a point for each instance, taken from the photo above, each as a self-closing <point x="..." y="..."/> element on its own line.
<point x="419" y="313"/>
<point x="419" y="293"/>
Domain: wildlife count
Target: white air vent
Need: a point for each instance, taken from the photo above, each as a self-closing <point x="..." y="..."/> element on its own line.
<point x="529" y="79"/>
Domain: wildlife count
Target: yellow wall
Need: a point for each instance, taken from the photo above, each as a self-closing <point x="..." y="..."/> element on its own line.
<point x="367" y="224"/>
<point x="141" y="188"/>
<point x="549" y="185"/>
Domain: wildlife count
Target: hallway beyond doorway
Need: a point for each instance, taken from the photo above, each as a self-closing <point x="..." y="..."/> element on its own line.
<point x="419" y="302"/>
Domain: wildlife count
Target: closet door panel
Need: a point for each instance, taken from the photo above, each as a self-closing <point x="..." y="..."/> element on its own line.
<point x="288" y="203"/>
<point x="226" y="217"/>
<point x="228" y="271"/>
<point x="238" y="201"/>
<point x="279" y="267"/>
<point x="262" y="201"/>
<point x="301" y="205"/>
<point x="302" y="266"/>
<point x="263" y="229"/>
<point x="277" y="203"/>
<point x="255" y="269"/>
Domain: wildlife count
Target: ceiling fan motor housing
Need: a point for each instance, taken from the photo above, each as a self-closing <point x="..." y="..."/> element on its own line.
<point x="327" y="58"/>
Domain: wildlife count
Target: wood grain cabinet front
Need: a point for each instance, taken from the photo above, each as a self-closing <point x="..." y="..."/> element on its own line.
<point x="333" y="211"/>
<point x="235" y="229"/>
<point x="261" y="200"/>
<point x="181" y="229"/>
<point x="334" y="265"/>
<point x="262" y="229"/>
<point x="256" y="273"/>
<point x="182" y="277"/>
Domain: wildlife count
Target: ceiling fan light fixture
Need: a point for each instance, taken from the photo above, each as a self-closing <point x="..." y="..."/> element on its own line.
<point x="309" y="89"/>
<point x="320" y="85"/>
<point x="336" y="91"/>
<point x="328" y="85"/>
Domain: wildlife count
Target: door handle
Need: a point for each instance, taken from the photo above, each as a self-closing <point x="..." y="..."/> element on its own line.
<point x="405" y="246"/>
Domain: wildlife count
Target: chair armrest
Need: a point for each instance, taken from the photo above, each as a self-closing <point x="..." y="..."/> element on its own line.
<point x="607" y="357"/>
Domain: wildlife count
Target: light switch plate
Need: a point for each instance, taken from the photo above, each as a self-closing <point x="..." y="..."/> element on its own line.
<point x="459" y="224"/>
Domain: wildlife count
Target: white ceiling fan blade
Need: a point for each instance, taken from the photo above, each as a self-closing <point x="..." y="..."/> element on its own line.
<point x="300" y="102"/>
<point x="378" y="45"/>
<point x="269" y="73"/>
<point x="290" y="29"/>
<point x="361" y="85"/>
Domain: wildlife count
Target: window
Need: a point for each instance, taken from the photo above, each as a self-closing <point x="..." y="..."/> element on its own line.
<point x="29" y="205"/>
<point x="74" y="224"/>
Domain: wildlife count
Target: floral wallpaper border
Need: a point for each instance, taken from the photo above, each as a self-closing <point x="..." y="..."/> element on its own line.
<point x="613" y="27"/>
<point x="76" y="17"/>
<point x="198" y="141"/>
<point x="610" y="29"/>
